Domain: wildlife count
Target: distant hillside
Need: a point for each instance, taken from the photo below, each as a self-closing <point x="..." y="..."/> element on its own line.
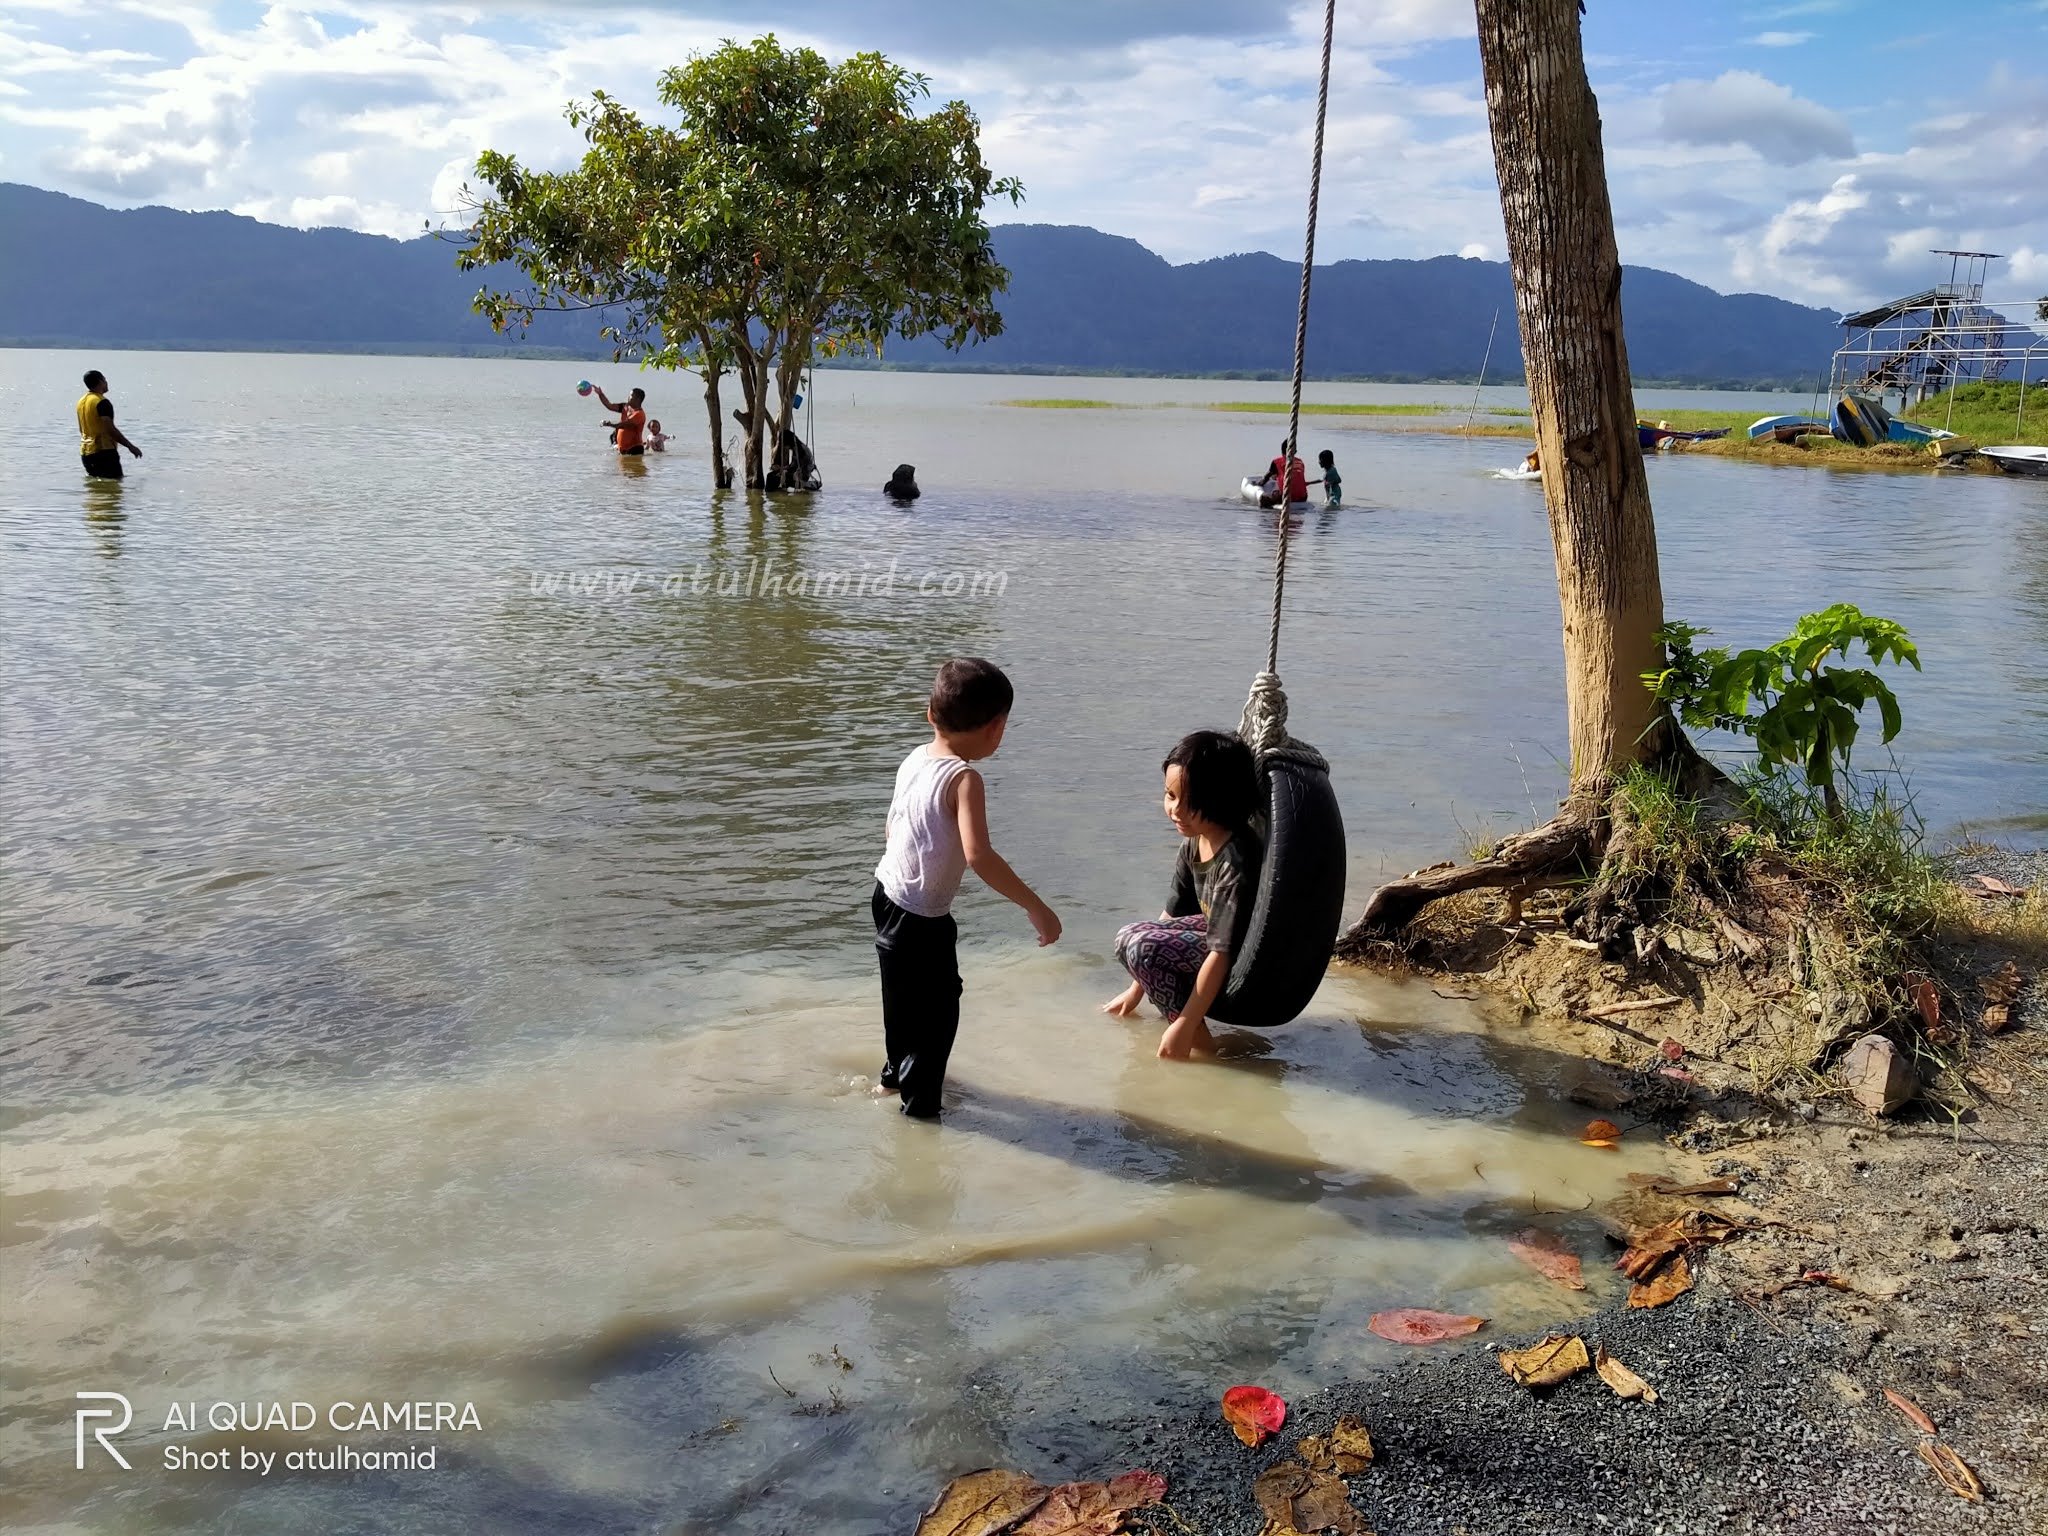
<point x="75" y="274"/>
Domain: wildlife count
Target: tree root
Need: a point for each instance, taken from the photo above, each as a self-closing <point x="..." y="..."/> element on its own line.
<point x="1563" y="851"/>
<point x="1587" y="844"/>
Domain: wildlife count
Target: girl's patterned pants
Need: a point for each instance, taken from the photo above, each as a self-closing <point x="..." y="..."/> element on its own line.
<point x="1163" y="957"/>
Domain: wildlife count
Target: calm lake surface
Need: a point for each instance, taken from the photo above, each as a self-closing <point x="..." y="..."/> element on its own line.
<point x="426" y="982"/>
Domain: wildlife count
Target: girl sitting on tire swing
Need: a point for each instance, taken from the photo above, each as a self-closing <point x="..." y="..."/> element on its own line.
<point x="1182" y="961"/>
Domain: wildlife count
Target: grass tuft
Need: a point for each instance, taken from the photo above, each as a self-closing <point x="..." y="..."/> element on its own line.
<point x="1063" y="405"/>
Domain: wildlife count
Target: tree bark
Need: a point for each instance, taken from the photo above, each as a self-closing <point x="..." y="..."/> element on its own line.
<point x="721" y="472"/>
<point x="1567" y="272"/>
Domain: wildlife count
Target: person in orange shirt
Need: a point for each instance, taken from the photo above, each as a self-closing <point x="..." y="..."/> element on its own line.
<point x="630" y="429"/>
<point x="99" y="441"/>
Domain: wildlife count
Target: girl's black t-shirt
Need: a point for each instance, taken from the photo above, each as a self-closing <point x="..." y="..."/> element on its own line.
<point x="1222" y="890"/>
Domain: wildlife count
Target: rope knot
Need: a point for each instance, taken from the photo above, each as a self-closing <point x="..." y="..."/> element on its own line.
<point x="1264" y="726"/>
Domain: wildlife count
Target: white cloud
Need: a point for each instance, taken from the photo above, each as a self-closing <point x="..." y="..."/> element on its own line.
<point x="1781" y="39"/>
<point x="1742" y="107"/>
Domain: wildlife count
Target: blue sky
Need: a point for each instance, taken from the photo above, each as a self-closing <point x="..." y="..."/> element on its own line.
<point x="1813" y="148"/>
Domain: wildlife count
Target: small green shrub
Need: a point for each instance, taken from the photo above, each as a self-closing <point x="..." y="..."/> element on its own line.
<point x="1807" y="712"/>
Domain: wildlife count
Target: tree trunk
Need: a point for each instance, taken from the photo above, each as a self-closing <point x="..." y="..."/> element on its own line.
<point x="1560" y="232"/>
<point x="721" y="472"/>
<point x="789" y="374"/>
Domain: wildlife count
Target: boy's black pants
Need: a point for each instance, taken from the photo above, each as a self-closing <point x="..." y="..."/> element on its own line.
<point x="920" y="1001"/>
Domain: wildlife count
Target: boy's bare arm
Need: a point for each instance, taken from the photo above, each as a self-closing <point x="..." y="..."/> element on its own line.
<point x="993" y="868"/>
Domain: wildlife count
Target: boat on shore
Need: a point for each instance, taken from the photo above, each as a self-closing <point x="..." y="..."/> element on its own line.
<point x="1863" y="423"/>
<point x="1785" y="429"/>
<point x="2019" y="460"/>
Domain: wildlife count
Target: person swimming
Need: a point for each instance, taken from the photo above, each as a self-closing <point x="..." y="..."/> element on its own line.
<point x="903" y="484"/>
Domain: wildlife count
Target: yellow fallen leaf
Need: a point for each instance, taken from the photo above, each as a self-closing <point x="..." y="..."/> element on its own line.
<point x="1547" y="1363"/>
<point x="1626" y="1383"/>
<point x="1954" y="1472"/>
<point x="982" y="1503"/>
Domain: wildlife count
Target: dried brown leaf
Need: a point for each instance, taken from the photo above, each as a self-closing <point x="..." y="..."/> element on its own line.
<point x="1670" y="1284"/>
<point x="1545" y="1364"/>
<point x="1924" y="997"/>
<point x="1991" y="885"/>
<point x="1303" y="1500"/>
<point x="1601" y="1133"/>
<point x="1093" y="1509"/>
<point x="2003" y="984"/>
<point x="982" y="1503"/>
<point x="1914" y="1414"/>
<point x="1996" y="1017"/>
<point x="1626" y="1383"/>
<point x="1546" y="1253"/>
<point x="1954" y="1472"/>
<point x="1345" y="1450"/>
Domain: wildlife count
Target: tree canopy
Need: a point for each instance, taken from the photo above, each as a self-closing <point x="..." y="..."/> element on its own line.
<point x="795" y="209"/>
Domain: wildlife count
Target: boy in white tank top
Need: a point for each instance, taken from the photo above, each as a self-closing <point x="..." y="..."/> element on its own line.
<point x="937" y="831"/>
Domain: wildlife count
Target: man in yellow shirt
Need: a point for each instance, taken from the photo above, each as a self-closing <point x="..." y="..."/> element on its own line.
<point x="99" y="441"/>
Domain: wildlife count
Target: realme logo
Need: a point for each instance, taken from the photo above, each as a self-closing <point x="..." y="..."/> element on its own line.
<point x="126" y="1412"/>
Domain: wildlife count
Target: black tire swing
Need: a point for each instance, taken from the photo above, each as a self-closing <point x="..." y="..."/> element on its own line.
<point x="1292" y="931"/>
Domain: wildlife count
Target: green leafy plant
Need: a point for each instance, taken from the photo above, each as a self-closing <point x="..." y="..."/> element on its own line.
<point x="1799" y="710"/>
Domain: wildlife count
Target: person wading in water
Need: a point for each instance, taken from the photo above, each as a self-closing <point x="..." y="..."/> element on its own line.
<point x="99" y="441"/>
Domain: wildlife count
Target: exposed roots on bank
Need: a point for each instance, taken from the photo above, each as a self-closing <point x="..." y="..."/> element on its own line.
<point x="1741" y="920"/>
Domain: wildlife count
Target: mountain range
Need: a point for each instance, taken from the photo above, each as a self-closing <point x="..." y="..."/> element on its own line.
<point x="73" y="273"/>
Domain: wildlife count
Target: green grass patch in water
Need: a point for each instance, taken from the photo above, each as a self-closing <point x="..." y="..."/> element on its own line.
<point x="1331" y="408"/>
<point x="1063" y="405"/>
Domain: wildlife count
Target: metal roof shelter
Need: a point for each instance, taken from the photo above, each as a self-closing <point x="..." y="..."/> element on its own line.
<point x="1938" y="338"/>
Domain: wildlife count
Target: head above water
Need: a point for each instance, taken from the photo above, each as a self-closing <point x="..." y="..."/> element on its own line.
<point x="1326" y="460"/>
<point x="969" y="695"/>
<point x="1211" y="776"/>
<point x="95" y="381"/>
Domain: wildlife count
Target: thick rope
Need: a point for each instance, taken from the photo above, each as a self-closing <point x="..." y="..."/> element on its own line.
<point x="1308" y="262"/>
<point x="1264" y="726"/>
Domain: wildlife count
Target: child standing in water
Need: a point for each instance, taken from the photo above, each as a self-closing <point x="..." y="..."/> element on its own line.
<point x="1333" y="483"/>
<point x="937" y="831"/>
<point x="1182" y="961"/>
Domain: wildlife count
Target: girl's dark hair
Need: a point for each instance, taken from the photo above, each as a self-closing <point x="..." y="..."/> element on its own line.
<point x="968" y="693"/>
<point x="1219" y="777"/>
<point x="1327" y="459"/>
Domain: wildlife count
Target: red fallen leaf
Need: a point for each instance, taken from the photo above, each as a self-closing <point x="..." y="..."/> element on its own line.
<point x="1419" y="1325"/>
<point x="1254" y="1413"/>
<point x="1601" y="1133"/>
<point x="1911" y="1410"/>
<point x="1672" y="1050"/>
<point x="1093" y="1509"/>
<point x="1546" y="1253"/>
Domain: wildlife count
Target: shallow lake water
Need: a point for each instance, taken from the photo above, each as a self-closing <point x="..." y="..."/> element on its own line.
<point x="437" y="967"/>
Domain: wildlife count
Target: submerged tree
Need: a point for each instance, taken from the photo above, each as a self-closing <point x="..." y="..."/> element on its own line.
<point x="1567" y="273"/>
<point x="796" y="209"/>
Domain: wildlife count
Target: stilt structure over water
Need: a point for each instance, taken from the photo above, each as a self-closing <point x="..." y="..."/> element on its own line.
<point x="1920" y="345"/>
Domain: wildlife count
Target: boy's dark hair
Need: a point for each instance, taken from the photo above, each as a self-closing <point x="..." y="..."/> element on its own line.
<point x="968" y="693"/>
<point x="93" y="378"/>
<point x="1326" y="459"/>
<point x="1219" y="776"/>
